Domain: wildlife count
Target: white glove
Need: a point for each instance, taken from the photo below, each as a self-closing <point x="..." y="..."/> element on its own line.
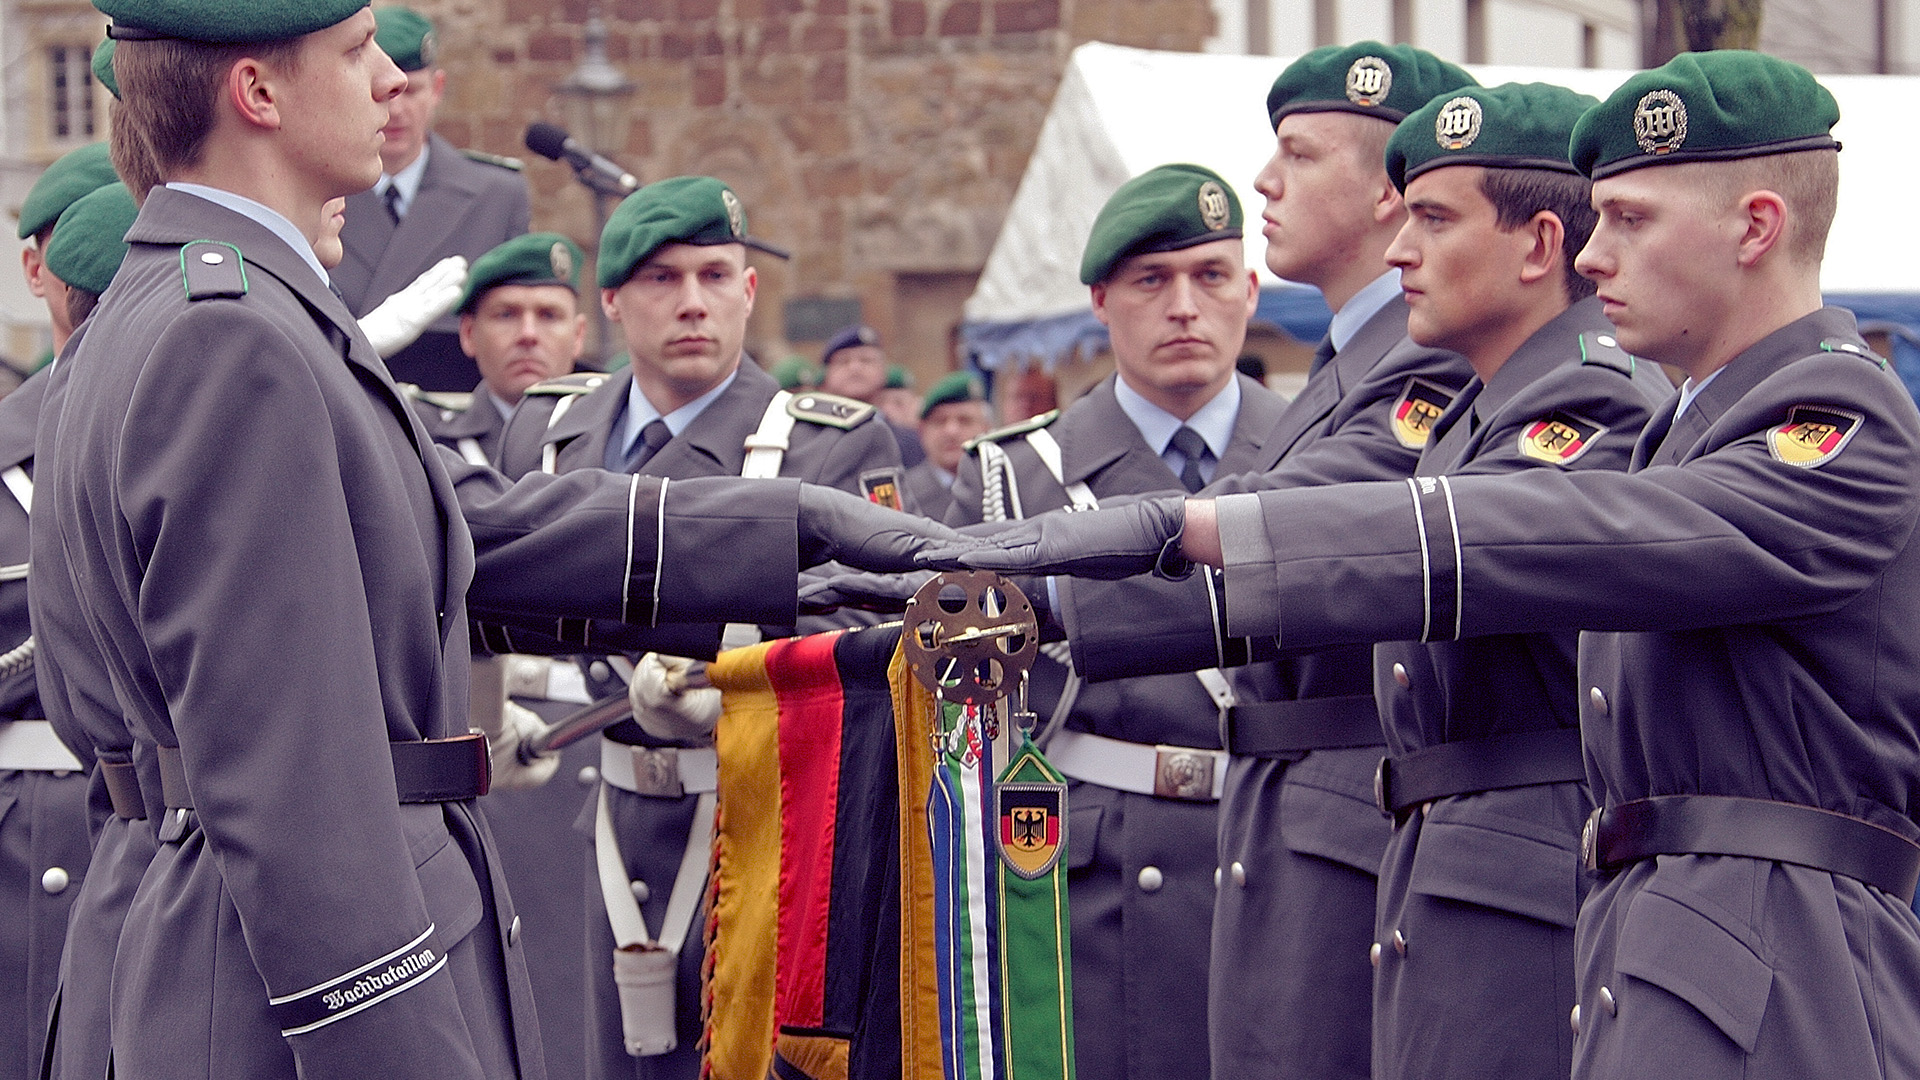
<point x="518" y="724"/>
<point x="402" y="317"/>
<point x="672" y="699"/>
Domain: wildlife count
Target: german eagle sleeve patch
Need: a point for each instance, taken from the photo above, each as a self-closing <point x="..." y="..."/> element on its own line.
<point x="1812" y="436"/>
<point x="1420" y="404"/>
<point x="1560" y="437"/>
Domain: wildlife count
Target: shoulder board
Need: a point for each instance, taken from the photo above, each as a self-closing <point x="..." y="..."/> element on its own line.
<point x="1605" y="350"/>
<point x="831" y="410"/>
<point x="1842" y="345"/>
<point x="502" y="161"/>
<point x="580" y="382"/>
<point x="447" y="400"/>
<point x="1031" y="423"/>
<point x="212" y="269"/>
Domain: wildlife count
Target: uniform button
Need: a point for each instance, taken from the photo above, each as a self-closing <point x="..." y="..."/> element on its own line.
<point x="641" y="892"/>
<point x="55" y="881"/>
<point x="1373" y="955"/>
<point x="212" y="258"/>
<point x="599" y="671"/>
<point x="1400" y="676"/>
<point x="1400" y="943"/>
<point x="588" y="775"/>
<point x="1607" y="1002"/>
<point x="1426" y="807"/>
<point x="1575" y="1018"/>
<point x="1216" y="877"/>
<point x="1151" y="879"/>
<point x="513" y="932"/>
<point x="1608" y="341"/>
<point x="1599" y="700"/>
<point x="1239" y="873"/>
<point x="62" y="774"/>
<point x="594" y="383"/>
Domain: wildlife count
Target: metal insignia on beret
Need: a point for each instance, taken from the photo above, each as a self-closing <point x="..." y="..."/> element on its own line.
<point x="736" y="217"/>
<point x="1458" y="123"/>
<point x="562" y="260"/>
<point x="429" y="49"/>
<point x="1213" y="205"/>
<point x="1660" y="122"/>
<point x="1369" y="81"/>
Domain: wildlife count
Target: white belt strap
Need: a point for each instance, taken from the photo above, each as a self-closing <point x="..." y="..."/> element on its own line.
<point x="1048" y="449"/>
<point x="470" y="450"/>
<point x="31" y="746"/>
<point x="689" y="883"/>
<point x="666" y="772"/>
<point x="767" y="447"/>
<point x="1180" y="772"/>
<point x="21" y="485"/>
<point x="550" y="453"/>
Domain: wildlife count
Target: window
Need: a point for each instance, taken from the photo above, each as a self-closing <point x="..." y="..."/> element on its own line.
<point x="70" y="97"/>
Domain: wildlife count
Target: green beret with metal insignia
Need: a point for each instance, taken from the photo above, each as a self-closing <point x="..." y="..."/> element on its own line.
<point x="696" y="210"/>
<point x="90" y="239"/>
<point x="64" y="182"/>
<point x="951" y="390"/>
<point x="1515" y="126"/>
<point x="533" y="259"/>
<point x="103" y="67"/>
<point x="221" y="22"/>
<point x="406" y="36"/>
<point x="1369" y="78"/>
<point x="1706" y="106"/>
<point x="1163" y="209"/>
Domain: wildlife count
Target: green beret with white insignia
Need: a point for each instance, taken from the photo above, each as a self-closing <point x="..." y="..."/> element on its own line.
<point x="406" y="36"/>
<point x="695" y="210"/>
<point x="103" y="67"/>
<point x="90" y="239"/>
<point x="794" y="372"/>
<point x="1706" y="106"/>
<point x="221" y="22"/>
<point x="1369" y="78"/>
<point x="63" y="183"/>
<point x="1163" y="209"/>
<point x="533" y="259"/>
<point x="955" y="388"/>
<point x="1515" y="126"/>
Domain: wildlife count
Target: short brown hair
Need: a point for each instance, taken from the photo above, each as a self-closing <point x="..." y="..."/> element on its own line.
<point x="169" y="100"/>
<point x="1807" y="180"/>
<point x="1518" y="194"/>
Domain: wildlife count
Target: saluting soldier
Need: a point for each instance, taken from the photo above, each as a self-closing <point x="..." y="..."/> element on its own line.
<point x="675" y="279"/>
<point x="1747" y="698"/>
<point x="521" y="324"/>
<point x="286" y="638"/>
<point x="1167" y="269"/>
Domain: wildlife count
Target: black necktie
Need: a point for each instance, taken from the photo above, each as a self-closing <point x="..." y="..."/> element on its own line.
<point x="1193" y="448"/>
<point x="652" y="437"/>
<point x="1322" y="353"/>
<point x="392" y="198"/>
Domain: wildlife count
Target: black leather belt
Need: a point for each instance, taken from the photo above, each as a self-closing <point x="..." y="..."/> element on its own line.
<point x="1287" y="728"/>
<point x="123" y="789"/>
<point x="1752" y="829"/>
<point x="1474" y="765"/>
<point x="425" y="770"/>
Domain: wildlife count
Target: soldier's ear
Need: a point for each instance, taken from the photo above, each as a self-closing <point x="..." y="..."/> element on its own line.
<point x="251" y="91"/>
<point x="750" y="280"/>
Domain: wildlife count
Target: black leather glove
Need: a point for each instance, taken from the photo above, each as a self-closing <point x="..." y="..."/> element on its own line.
<point x="1120" y="542"/>
<point x="831" y="588"/>
<point x="838" y="527"/>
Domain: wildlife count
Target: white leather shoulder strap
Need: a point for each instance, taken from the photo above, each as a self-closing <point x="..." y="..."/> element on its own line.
<point x="767" y="447"/>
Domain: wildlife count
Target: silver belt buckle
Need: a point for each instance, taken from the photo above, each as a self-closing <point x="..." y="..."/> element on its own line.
<point x="656" y="772"/>
<point x="1182" y="773"/>
<point x="1590" y="840"/>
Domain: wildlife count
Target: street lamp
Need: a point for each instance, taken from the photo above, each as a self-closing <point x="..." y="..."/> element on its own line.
<point x="596" y="93"/>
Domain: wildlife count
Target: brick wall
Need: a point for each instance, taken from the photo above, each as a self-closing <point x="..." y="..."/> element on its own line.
<point x="880" y="140"/>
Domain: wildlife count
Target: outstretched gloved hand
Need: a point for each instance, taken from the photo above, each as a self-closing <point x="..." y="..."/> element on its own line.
<point x="839" y="527"/>
<point x="1117" y="542"/>
<point x="672" y="699"/>
<point x="402" y="317"/>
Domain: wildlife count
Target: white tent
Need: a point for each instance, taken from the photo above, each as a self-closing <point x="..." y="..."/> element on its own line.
<point x="1121" y="111"/>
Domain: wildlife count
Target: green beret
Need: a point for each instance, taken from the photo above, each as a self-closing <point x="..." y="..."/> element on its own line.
<point x="103" y="67"/>
<point x="1516" y="126"/>
<point x="542" y="258"/>
<point x="1385" y="81"/>
<point x="794" y="372"/>
<point x="91" y="238"/>
<point x="695" y="210"/>
<point x="73" y="175"/>
<point x="957" y="387"/>
<point x="221" y="22"/>
<point x="1163" y="209"/>
<point x="406" y="36"/>
<point x="898" y="378"/>
<point x="1708" y="106"/>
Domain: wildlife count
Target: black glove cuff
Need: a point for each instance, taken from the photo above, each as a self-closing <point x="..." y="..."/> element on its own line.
<point x="1172" y="563"/>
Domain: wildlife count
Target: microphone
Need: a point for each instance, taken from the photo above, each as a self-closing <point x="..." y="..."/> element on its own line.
<point x="602" y="175"/>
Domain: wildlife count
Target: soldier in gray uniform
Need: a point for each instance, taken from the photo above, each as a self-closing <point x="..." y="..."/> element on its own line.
<point x="1168" y="275"/>
<point x="954" y="413"/>
<point x="1747" y="695"/>
<point x="521" y="324"/>
<point x="432" y="201"/>
<point x="674" y="277"/>
<point x="286" y="640"/>
<point x="74" y="174"/>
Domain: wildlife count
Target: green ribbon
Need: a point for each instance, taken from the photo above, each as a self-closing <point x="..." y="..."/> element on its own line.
<point x="1036" y="955"/>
